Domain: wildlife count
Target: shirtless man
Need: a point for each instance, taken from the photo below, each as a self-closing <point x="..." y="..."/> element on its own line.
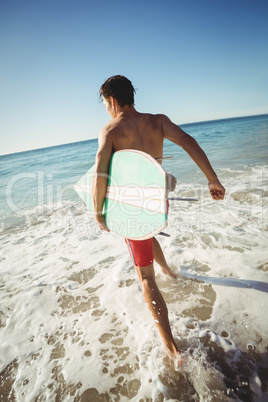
<point x="145" y="132"/>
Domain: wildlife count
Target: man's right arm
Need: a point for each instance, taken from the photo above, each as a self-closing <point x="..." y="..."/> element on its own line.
<point x="175" y="134"/>
<point x="99" y="185"/>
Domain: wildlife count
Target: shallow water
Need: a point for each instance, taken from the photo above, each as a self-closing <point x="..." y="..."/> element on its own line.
<point x="73" y="323"/>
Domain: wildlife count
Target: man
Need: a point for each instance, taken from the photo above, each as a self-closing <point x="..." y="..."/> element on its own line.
<point x="145" y="132"/>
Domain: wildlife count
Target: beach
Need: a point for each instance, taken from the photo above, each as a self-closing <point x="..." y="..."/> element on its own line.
<point x="73" y="322"/>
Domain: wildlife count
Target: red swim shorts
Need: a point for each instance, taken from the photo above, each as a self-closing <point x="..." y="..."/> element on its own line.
<point x="141" y="251"/>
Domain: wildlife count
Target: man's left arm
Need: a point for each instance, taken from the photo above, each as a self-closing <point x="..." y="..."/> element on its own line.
<point x="189" y="144"/>
<point x="99" y="185"/>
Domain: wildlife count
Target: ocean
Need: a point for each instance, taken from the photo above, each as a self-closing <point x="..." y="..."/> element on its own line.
<point x="73" y="323"/>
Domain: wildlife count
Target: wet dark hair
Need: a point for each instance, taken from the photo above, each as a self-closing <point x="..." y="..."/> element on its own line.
<point x="120" y="88"/>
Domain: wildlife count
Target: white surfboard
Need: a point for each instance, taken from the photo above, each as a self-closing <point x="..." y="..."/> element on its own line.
<point x="136" y="201"/>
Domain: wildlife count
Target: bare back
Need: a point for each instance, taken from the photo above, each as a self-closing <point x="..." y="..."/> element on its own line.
<point x="141" y="131"/>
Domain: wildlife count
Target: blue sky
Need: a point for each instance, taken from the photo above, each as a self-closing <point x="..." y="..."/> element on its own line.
<point x="193" y="60"/>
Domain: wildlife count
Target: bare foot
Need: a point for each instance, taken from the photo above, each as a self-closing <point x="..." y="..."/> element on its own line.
<point x="169" y="272"/>
<point x="177" y="359"/>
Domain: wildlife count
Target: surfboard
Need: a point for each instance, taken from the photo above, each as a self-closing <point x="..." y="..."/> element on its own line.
<point x="136" y="200"/>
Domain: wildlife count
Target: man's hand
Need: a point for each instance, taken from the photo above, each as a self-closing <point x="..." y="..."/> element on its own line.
<point x="217" y="191"/>
<point x="101" y="222"/>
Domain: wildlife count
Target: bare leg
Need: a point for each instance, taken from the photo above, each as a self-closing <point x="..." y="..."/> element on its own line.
<point x="157" y="306"/>
<point x="160" y="259"/>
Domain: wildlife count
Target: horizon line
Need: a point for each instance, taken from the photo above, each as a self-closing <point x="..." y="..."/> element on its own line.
<point x="92" y="139"/>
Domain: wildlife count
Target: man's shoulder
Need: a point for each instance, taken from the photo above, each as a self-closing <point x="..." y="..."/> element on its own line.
<point x="154" y="120"/>
<point x="109" y="128"/>
<point x="115" y="125"/>
<point x="153" y="116"/>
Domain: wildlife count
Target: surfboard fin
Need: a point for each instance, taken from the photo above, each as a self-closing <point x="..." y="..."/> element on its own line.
<point x="163" y="157"/>
<point x="182" y="199"/>
<point x="164" y="234"/>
